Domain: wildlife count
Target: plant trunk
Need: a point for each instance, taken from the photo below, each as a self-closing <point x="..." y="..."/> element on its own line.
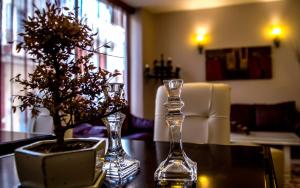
<point x="58" y="128"/>
<point x="59" y="131"/>
<point x="60" y="139"/>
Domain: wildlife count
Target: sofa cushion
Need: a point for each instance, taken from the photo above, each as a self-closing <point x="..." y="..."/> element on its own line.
<point x="82" y="128"/>
<point x="140" y="136"/>
<point x="138" y="125"/>
<point x="242" y="115"/>
<point x="275" y="117"/>
<point x="88" y="130"/>
<point x="100" y="131"/>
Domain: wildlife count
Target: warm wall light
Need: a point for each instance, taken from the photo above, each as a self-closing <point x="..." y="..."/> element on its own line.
<point x="201" y="39"/>
<point x="276" y="33"/>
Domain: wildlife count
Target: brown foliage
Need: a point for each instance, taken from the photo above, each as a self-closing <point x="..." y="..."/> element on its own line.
<point x="61" y="82"/>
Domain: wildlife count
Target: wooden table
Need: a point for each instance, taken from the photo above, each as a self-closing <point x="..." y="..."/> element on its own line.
<point x="9" y="141"/>
<point x="219" y="166"/>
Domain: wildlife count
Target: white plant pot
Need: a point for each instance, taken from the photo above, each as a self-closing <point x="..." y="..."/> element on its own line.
<point x="78" y="168"/>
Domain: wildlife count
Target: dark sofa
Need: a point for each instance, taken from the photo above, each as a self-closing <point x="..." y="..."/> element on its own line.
<point x="133" y="128"/>
<point x="265" y="117"/>
<point x="243" y="117"/>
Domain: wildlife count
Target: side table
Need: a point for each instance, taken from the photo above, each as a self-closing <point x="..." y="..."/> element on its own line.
<point x="284" y="139"/>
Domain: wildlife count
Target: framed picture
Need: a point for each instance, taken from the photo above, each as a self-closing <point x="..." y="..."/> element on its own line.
<point x="239" y="63"/>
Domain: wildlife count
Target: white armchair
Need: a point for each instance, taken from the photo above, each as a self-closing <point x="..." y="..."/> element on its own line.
<point x="206" y="109"/>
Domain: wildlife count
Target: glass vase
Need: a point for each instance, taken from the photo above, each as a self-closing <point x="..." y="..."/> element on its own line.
<point x="119" y="166"/>
<point x="177" y="169"/>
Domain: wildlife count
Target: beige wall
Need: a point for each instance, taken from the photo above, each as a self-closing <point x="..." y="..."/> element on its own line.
<point x="232" y="26"/>
<point x="149" y="47"/>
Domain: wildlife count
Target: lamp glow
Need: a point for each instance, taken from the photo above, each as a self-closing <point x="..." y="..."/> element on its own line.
<point x="201" y="40"/>
<point x="276" y="32"/>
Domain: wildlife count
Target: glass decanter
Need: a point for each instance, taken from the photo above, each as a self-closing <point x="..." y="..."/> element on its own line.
<point x="177" y="168"/>
<point x="119" y="166"/>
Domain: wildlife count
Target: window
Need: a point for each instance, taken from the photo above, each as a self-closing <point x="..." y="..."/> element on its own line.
<point x="105" y="19"/>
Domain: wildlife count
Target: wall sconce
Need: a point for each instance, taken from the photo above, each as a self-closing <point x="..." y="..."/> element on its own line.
<point x="201" y="40"/>
<point x="162" y="70"/>
<point x="276" y="33"/>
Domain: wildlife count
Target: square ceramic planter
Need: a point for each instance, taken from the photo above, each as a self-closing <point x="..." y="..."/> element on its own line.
<point x="78" y="168"/>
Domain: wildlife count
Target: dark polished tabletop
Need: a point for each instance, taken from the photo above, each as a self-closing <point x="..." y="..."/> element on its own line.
<point x="219" y="166"/>
<point x="9" y="141"/>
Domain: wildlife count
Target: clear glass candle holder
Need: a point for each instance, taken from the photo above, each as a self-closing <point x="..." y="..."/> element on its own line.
<point x="119" y="166"/>
<point x="177" y="168"/>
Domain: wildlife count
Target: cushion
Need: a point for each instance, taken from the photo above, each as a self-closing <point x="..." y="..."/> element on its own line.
<point x="141" y="125"/>
<point x="88" y="130"/>
<point x="140" y="136"/>
<point x="80" y="129"/>
<point x="97" y="130"/>
<point x="275" y="117"/>
<point x="242" y="115"/>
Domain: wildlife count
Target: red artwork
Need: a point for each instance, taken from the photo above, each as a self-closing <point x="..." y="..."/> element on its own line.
<point x="239" y="63"/>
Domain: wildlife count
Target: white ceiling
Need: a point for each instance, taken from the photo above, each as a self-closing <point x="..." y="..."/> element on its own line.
<point x="159" y="6"/>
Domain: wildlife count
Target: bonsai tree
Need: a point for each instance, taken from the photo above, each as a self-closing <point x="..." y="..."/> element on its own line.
<point x="70" y="87"/>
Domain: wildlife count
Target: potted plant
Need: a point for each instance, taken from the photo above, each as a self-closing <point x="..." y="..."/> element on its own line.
<point x="72" y="89"/>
